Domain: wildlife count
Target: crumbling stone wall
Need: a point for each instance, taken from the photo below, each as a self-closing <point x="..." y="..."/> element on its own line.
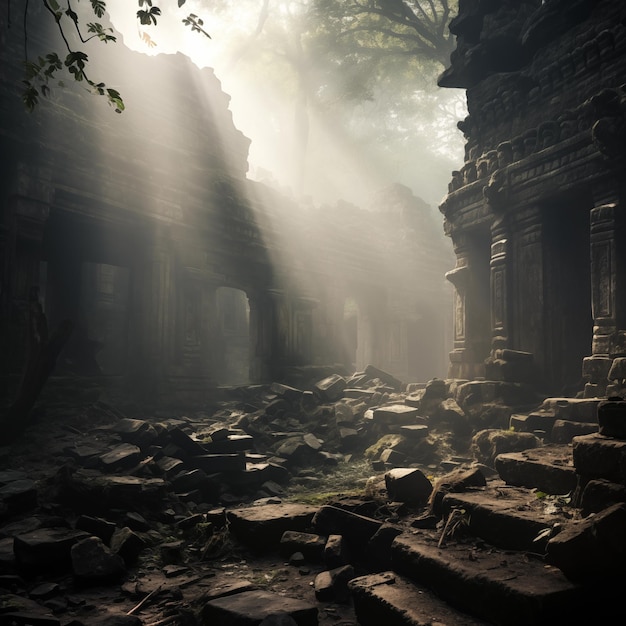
<point x="536" y="212"/>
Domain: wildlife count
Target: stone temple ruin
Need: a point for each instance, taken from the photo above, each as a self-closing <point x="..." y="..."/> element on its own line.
<point x="494" y="493"/>
<point x="178" y="273"/>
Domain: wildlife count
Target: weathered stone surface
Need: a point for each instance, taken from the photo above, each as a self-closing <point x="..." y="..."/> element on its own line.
<point x="46" y="548"/>
<point x="25" y="612"/>
<point x="573" y="409"/>
<point x="393" y="457"/>
<point x="95" y="562"/>
<point x="549" y="469"/>
<point x="335" y="552"/>
<point x="618" y="369"/>
<point x="596" y="456"/>
<point x="356" y="529"/>
<point x="593" y="548"/>
<point x="332" y="585"/>
<point x="503" y="587"/>
<point x="137" y="432"/>
<point x="123" y="456"/>
<point x="507" y="517"/>
<point x="250" y="608"/>
<point x="262" y="527"/>
<point x="378" y="549"/>
<point x="374" y="372"/>
<point x="456" y="481"/>
<point x="600" y="494"/>
<point x="488" y="444"/>
<point x="309" y="544"/>
<point x="414" y="431"/>
<point x="390" y="599"/>
<point x="408" y="485"/>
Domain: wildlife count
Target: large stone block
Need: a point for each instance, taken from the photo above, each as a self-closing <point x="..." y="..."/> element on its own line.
<point x="596" y="456"/>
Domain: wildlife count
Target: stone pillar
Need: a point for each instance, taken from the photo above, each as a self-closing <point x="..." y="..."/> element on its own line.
<point x="470" y="343"/>
<point x="152" y="319"/>
<point x="499" y="286"/>
<point x="608" y="295"/>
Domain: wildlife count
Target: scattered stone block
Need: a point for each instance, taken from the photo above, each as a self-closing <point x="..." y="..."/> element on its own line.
<point x="393" y="457"/>
<point x="332" y="585"/>
<point x="600" y="494"/>
<point x="331" y="388"/>
<point x="396" y="415"/>
<point x="414" y="432"/>
<point x="335" y="552"/>
<point x="374" y="372"/>
<point x="46" y="548"/>
<point x="591" y="549"/>
<point x="183" y="441"/>
<point x="217" y="463"/>
<point x="378" y="550"/>
<point x="94" y="562"/>
<point x="618" y="369"/>
<point x="137" y="432"/>
<point x="356" y="529"/>
<point x="19" y="495"/>
<point x="596" y="456"/>
<point x="564" y="431"/>
<point x="488" y="444"/>
<point x="127" y="544"/>
<point x="250" y="608"/>
<point x="96" y="526"/>
<point x="169" y="466"/>
<point x="310" y="545"/>
<point x="408" y="485"/>
<point x="456" y="481"/>
<point x="612" y="418"/>
<point x="121" y="457"/>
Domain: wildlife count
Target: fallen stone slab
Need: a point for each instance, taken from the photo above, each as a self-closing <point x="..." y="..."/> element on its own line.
<point x="591" y="549"/>
<point x="123" y="456"/>
<point x="455" y="481"/>
<point x="335" y="552"/>
<point x="250" y="608"/>
<point x="230" y="444"/>
<point x="505" y="587"/>
<point x="19" y="611"/>
<point x="549" y="469"/>
<point x="96" y="526"/>
<point x="374" y="372"/>
<point x="507" y="517"/>
<point x="573" y="409"/>
<point x="138" y="432"/>
<point x="396" y="415"/>
<point x="262" y="527"/>
<point x="390" y="599"/>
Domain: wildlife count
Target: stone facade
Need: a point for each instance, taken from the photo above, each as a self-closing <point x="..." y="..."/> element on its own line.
<point x="177" y="271"/>
<point x="536" y="214"/>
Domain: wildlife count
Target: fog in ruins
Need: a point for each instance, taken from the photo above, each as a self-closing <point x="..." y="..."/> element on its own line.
<point x="312" y="312"/>
<point x="332" y="112"/>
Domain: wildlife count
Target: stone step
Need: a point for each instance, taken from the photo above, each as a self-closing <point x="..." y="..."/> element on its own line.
<point x="390" y="599"/>
<point x="507" y="517"/>
<point x="548" y="427"/>
<point x="504" y="587"/>
<point x="549" y="469"/>
<point x="597" y="456"/>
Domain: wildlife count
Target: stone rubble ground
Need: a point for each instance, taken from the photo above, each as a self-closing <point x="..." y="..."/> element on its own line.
<point x="354" y="499"/>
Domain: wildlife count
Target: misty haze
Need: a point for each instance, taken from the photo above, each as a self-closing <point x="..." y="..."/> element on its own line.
<point x="313" y="312"/>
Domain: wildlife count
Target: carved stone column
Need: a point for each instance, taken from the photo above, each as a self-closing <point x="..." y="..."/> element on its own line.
<point x="499" y="286"/>
<point x="608" y="295"/>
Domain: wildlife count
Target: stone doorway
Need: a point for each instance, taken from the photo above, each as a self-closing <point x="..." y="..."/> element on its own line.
<point x="233" y="341"/>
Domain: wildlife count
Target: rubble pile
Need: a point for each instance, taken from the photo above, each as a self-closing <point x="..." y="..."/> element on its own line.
<point x="107" y="518"/>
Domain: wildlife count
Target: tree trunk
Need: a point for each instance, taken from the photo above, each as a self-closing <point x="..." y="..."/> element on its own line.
<point x="43" y="352"/>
